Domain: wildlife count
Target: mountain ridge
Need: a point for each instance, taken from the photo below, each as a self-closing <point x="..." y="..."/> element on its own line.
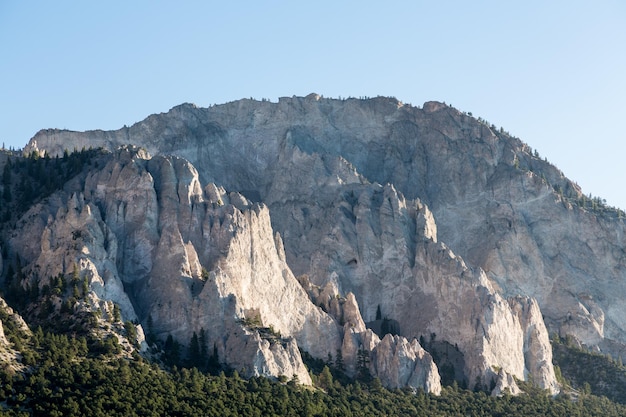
<point x="354" y="187"/>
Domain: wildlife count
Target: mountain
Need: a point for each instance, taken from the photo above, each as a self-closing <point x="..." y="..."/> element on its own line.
<point x="418" y="245"/>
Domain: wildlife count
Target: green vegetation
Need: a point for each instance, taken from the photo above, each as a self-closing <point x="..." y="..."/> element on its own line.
<point x="65" y="376"/>
<point x="268" y="333"/>
<point x="530" y="161"/>
<point x="53" y="305"/>
<point x="26" y="180"/>
<point x="590" y="372"/>
<point x="70" y="385"/>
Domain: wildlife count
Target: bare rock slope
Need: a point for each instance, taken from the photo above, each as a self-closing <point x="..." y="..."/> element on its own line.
<point x="185" y="259"/>
<point x="453" y="230"/>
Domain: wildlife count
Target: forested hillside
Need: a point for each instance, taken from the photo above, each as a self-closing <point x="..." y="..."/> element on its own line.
<point x="61" y="375"/>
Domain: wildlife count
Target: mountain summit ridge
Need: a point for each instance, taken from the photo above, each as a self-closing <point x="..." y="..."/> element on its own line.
<point x="445" y="225"/>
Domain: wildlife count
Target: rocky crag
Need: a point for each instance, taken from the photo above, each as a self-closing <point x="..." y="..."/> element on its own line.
<point x="184" y="259"/>
<point x="278" y="226"/>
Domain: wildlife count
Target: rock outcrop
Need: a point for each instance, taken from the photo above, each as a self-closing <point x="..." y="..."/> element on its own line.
<point x="371" y="241"/>
<point x="9" y="357"/>
<point x="537" y="349"/>
<point x="150" y="239"/>
<point x="431" y="217"/>
<point x="400" y="363"/>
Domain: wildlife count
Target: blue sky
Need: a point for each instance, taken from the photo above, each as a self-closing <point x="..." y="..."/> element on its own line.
<point x="552" y="73"/>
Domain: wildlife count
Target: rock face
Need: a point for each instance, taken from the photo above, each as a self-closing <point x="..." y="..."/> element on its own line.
<point x="453" y="230"/>
<point x="394" y="360"/>
<point x="8" y="356"/>
<point x="400" y="363"/>
<point x="150" y="239"/>
<point x="537" y="351"/>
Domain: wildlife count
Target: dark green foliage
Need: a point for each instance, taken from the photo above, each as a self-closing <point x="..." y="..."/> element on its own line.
<point x="450" y="361"/>
<point x="11" y="328"/>
<point x="117" y="314"/>
<point x="202" y="341"/>
<point x="389" y="326"/>
<point x="53" y="306"/>
<point x="105" y="347"/>
<point x="590" y="372"/>
<point x="66" y="378"/>
<point x="75" y="274"/>
<point x="339" y="365"/>
<point x="26" y="180"/>
<point x="85" y="287"/>
<point x="325" y="379"/>
<point x="362" y="366"/>
<point x="121" y="387"/>
<point x="59" y="285"/>
<point x="194" y="357"/>
<point x="213" y="366"/>
<point x="131" y="332"/>
<point x="75" y="292"/>
<point x="171" y="351"/>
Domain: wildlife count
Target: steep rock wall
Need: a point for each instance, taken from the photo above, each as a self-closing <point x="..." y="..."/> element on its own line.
<point x="493" y="198"/>
<point x="495" y="201"/>
<point x="151" y="240"/>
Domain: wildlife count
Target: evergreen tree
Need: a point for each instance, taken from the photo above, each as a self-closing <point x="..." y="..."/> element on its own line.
<point x="204" y="350"/>
<point x="75" y="292"/>
<point x="117" y="315"/>
<point x="131" y="332"/>
<point x="339" y="365"/>
<point x="172" y="351"/>
<point x="75" y="273"/>
<point x="85" y="286"/>
<point x="213" y="365"/>
<point x="194" y="351"/>
<point x="362" y="365"/>
<point x="150" y="337"/>
<point x="325" y="379"/>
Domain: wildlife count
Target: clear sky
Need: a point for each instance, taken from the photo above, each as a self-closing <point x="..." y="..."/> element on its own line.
<point x="552" y="73"/>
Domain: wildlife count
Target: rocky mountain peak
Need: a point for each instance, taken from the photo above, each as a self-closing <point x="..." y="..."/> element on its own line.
<point x="424" y="238"/>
